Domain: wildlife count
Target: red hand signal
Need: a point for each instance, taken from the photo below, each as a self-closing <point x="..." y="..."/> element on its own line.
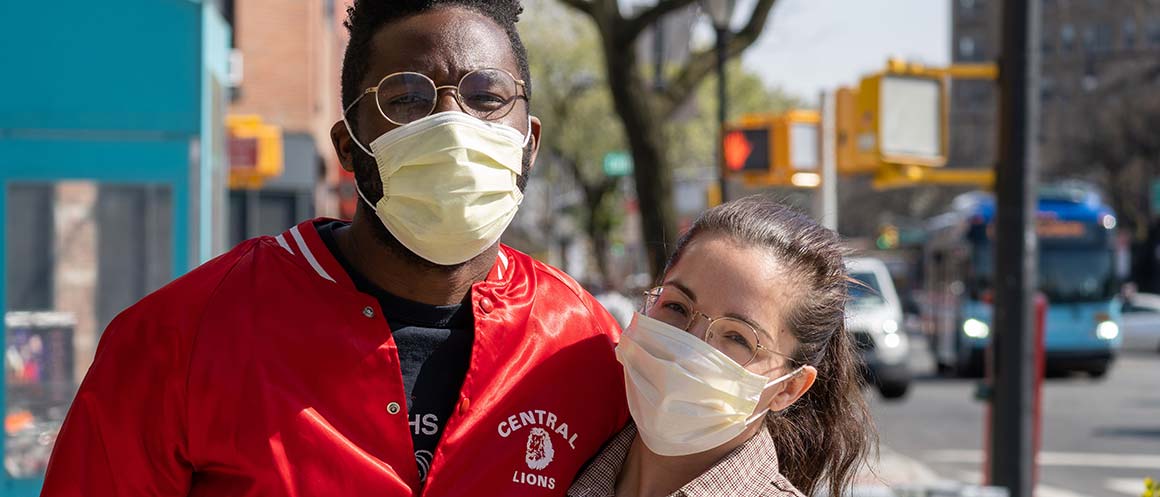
<point x="736" y="149"/>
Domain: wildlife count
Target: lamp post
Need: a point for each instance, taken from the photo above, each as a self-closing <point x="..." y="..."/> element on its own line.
<point x="721" y="12"/>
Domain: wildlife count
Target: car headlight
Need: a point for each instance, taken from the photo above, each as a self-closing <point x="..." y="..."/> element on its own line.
<point x="890" y="326"/>
<point x="976" y="329"/>
<point x="892" y="340"/>
<point x="1108" y="330"/>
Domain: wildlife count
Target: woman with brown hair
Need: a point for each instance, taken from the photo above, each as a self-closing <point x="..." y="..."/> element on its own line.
<point x="741" y="378"/>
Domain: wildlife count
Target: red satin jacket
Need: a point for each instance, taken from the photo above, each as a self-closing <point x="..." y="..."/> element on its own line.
<point x="266" y="373"/>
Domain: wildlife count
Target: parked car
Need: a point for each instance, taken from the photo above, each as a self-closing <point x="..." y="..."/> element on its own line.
<point x="874" y="317"/>
<point x="1141" y="323"/>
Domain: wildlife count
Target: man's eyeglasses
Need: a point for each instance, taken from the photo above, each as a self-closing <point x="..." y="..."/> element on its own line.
<point x="403" y="97"/>
<point x="735" y="338"/>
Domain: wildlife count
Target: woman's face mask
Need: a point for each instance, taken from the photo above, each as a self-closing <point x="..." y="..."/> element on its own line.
<point x="685" y="395"/>
<point x="709" y="357"/>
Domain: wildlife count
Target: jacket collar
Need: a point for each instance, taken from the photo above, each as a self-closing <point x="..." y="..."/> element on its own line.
<point x="306" y="247"/>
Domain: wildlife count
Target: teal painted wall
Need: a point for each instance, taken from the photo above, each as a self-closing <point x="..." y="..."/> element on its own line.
<point x="116" y="92"/>
<point x="85" y="65"/>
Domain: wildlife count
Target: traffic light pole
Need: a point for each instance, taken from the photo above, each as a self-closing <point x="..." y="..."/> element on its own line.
<point x="722" y="108"/>
<point x="1012" y="450"/>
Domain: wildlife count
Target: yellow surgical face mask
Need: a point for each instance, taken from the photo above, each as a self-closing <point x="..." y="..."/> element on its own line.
<point x="449" y="184"/>
<point x="684" y="395"/>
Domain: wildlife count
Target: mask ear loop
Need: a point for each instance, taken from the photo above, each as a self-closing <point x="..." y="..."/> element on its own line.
<point x="758" y="415"/>
<point x="349" y="130"/>
<point x="352" y="137"/>
<point x="358" y="190"/>
<point x="528" y="137"/>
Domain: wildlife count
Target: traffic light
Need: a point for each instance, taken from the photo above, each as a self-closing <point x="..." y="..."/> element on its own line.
<point x="255" y="151"/>
<point x="888" y="237"/>
<point x="799" y="155"/>
<point x="902" y="117"/>
<point x="774" y="150"/>
<point x="746" y="148"/>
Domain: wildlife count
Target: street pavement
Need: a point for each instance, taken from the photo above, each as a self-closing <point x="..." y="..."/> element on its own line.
<point x="1101" y="437"/>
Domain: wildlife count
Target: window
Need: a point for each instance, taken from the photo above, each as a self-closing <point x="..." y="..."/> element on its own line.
<point x="1154" y="32"/>
<point x="969" y="9"/>
<point x="1128" y="33"/>
<point x="1047" y="88"/>
<point x="1105" y="38"/>
<point x="1066" y="38"/>
<point x="1047" y="44"/>
<point x="1089" y="39"/>
<point x="967" y="48"/>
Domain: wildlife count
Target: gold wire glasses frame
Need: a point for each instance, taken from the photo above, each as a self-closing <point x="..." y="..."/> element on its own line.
<point x="735" y="338"/>
<point x="491" y="95"/>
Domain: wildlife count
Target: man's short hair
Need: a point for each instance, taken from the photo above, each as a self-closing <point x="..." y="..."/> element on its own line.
<point x="365" y="17"/>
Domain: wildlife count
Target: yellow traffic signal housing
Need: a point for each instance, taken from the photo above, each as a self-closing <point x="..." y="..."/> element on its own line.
<point x="797" y="151"/>
<point x="846" y="128"/>
<point x="255" y="151"/>
<point x="775" y="150"/>
<point x="796" y="136"/>
<point x="747" y="147"/>
<point x="901" y="118"/>
<point x="891" y="176"/>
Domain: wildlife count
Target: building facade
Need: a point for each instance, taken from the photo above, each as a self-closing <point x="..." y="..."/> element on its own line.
<point x="1091" y="50"/>
<point x="288" y="55"/>
<point x="112" y="183"/>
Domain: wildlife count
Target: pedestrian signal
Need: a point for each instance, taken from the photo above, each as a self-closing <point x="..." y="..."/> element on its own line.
<point x="746" y="151"/>
<point x="901" y="119"/>
<point x="773" y="149"/>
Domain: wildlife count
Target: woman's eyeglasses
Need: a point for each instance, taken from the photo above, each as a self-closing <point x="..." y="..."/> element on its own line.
<point x="735" y="338"/>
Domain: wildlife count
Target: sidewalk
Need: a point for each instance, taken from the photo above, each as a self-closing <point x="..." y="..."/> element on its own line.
<point x="896" y="475"/>
<point x="893" y="471"/>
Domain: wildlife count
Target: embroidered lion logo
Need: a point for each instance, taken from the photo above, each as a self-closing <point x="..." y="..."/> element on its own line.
<point x="540" y="451"/>
<point x="423" y="458"/>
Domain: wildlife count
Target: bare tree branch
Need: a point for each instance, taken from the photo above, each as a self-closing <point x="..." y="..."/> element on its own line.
<point x="635" y="26"/>
<point x="704" y="62"/>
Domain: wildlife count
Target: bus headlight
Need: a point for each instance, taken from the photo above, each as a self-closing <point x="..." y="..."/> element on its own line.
<point x="890" y="326"/>
<point x="976" y="329"/>
<point x="1108" y="330"/>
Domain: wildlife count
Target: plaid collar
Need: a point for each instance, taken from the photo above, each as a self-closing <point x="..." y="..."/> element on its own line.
<point x="749" y="471"/>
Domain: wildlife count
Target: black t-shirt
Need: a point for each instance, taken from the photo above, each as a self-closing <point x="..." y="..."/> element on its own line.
<point x="434" y="344"/>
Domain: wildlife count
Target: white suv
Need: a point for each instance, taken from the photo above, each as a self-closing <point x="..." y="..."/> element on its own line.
<point x="874" y="318"/>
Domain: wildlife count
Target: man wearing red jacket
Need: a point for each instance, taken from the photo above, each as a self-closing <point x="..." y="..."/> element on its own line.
<point x="405" y="353"/>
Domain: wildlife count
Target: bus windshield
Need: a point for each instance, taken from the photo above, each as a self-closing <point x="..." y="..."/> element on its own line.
<point x="1066" y="274"/>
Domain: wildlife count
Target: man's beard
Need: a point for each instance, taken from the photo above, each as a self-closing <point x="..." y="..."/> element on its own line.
<point x="367" y="180"/>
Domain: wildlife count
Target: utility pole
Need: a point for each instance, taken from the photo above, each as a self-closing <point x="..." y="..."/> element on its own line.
<point x="1012" y="455"/>
<point x="722" y="107"/>
<point x="828" y="211"/>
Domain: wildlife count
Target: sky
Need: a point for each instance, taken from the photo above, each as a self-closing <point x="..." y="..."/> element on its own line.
<point x="811" y="45"/>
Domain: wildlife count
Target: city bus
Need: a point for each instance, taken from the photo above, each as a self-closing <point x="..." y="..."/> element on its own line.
<point x="1077" y="275"/>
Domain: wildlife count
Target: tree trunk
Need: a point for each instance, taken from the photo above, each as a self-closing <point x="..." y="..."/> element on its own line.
<point x="650" y="169"/>
<point x="599" y="239"/>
